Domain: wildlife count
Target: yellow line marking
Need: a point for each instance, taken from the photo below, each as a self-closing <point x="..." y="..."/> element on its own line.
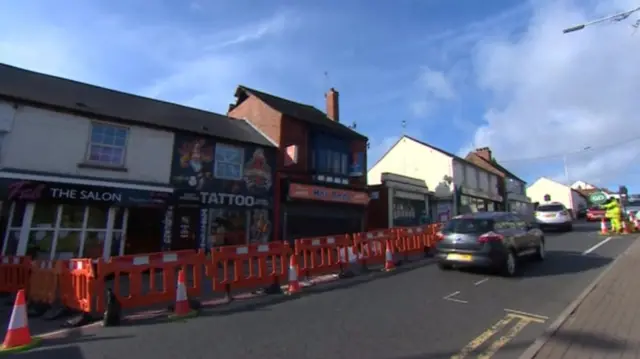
<point x="527" y="314"/>
<point x="480" y="339"/>
<point x="498" y="344"/>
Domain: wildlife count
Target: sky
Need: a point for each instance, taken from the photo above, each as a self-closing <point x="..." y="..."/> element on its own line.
<point x="461" y="74"/>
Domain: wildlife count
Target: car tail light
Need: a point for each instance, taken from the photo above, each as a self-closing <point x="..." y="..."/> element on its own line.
<point x="439" y="236"/>
<point x="490" y="237"/>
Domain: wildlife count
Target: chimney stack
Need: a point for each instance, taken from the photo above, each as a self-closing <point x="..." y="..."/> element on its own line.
<point x="484" y="152"/>
<point x="333" y="105"/>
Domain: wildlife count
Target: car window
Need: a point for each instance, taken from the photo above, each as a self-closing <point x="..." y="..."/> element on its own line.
<point x="551" y="208"/>
<point x="518" y="222"/>
<point x="468" y="225"/>
<point x="503" y="223"/>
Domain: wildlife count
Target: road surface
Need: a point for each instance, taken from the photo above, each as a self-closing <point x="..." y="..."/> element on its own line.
<point x="422" y="313"/>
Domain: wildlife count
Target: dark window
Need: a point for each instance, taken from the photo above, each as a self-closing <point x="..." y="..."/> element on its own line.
<point x="551" y="208"/>
<point x="468" y="225"/>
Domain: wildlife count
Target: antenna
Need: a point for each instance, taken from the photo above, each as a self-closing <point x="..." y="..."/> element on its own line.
<point x="327" y="80"/>
<point x="404" y="127"/>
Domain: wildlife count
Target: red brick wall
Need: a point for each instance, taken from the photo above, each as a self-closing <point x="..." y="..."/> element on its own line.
<point x="294" y="132"/>
<point x="262" y="116"/>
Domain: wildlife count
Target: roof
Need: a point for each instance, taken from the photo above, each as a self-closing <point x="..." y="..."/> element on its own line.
<point x="497" y="166"/>
<point x="299" y="111"/>
<point x="68" y="95"/>
<point x="432" y="147"/>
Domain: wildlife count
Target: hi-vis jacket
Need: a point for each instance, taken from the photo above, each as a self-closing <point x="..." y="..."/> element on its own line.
<point x="612" y="209"/>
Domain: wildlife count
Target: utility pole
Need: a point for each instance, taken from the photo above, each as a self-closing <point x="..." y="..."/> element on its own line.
<point x="613" y="18"/>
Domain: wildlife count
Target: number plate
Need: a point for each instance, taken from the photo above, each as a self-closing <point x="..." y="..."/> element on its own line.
<point x="459" y="257"/>
<point x="550" y="215"/>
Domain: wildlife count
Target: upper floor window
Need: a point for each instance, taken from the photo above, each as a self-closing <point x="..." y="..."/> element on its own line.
<point x="228" y="162"/>
<point x="330" y="162"/>
<point x="107" y="144"/>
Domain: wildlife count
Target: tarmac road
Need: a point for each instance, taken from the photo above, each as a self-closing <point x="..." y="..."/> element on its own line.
<point x="422" y="313"/>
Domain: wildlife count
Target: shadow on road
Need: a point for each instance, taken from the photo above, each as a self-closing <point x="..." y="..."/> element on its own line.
<point x="564" y="262"/>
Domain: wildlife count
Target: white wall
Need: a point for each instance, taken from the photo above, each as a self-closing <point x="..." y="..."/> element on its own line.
<point x="413" y="159"/>
<point x="48" y="141"/>
<point x="558" y="192"/>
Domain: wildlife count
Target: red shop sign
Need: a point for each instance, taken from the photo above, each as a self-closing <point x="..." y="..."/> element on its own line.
<point x="317" y="193"/>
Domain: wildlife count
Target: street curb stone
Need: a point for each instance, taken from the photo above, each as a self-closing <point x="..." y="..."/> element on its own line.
<point x="533" y="349"/>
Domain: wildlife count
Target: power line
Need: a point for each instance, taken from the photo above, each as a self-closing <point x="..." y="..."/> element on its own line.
<point x="561" y="155"/>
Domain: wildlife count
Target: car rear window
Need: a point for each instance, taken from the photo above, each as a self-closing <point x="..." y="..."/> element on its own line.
<point x="468" y="225"/>
<point x="551" y="208"/>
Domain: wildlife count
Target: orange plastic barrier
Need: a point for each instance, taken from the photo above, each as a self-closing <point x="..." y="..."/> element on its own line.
<point x="14" y="273"/>
<point x="321" y="255"/>
<point x="79" y="289"/>
<point x="371" y="246"/>
<point x="247" y="267"/>
<point x="43" y="283"/>
<point x="142" y="272"/>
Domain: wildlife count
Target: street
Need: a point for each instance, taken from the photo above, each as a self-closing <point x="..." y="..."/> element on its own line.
<point x="421" y="313"/>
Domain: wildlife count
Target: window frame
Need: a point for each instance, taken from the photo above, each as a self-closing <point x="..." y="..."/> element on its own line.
<point x="90" y="143"/>
<point x="240" y="164"/>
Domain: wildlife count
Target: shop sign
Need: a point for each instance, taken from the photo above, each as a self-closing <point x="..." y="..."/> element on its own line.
<point x="317" y="193"/>
<point x="356" y="167"/>
<point x="19" y="190"/>
<point x="204" y="225"/>
<point x="227" y="199"/>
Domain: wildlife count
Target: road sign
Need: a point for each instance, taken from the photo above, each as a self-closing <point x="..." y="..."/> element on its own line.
<point x="597" y="198"/>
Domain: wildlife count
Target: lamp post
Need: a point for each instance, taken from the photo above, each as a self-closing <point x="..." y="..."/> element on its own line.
<point x="617" y="17"/>
<point x="566" y="166"/>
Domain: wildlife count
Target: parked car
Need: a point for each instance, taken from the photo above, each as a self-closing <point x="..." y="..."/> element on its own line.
<point x="495" y="240"/>
<point x="595" y="214"/>
<point x="554" y="215"/>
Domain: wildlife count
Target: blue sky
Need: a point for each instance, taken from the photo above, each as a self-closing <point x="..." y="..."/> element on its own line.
<point x="462" y="74"/>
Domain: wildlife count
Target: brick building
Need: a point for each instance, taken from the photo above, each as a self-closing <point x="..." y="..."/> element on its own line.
<point x="321" y="163"/>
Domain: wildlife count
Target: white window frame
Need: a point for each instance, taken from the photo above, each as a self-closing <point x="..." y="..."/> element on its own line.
<point x="124" y="147"/>
<point x="240" y="164"/>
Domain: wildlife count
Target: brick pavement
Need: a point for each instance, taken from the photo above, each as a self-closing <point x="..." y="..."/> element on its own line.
<point x="607" y="323"/>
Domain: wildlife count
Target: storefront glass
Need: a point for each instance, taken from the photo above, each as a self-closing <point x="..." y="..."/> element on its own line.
<point x="470" y="204"/>
<point x="408" y="212"/>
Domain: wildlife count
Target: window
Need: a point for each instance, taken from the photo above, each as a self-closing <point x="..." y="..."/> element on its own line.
<point x="468" y="226"/>
<point x="331" y="162"/>
<point x="107" y="144"/>
<point x="345" y="164"/>
<point x="551" y="208"/>
<point x="228" y="163"/>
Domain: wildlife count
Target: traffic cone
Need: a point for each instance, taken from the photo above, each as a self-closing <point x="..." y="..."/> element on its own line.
<point x="18" y="337"/>
<point x="625" y="227"/>
<point x="389" y="265"/>
<point x="294" y="283"/>
<point x="182" y="308"/>
<point x="603" y="227"/>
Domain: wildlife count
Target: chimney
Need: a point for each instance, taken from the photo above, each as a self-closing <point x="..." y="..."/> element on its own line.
<point x="484" y="152"/>
<point x="333" y="106"/>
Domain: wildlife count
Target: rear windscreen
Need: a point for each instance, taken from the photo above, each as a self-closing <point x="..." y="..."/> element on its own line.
<point x="551" y="208"/>
<point x="468" y="225"/>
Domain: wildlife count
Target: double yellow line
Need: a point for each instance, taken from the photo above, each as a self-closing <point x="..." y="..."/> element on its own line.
<point x="521" y="320"/>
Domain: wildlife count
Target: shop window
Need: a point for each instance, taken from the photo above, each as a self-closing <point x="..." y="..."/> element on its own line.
<point x="72" y="216"/>
<point x="17" y="209"/>
<point x="228" y="162"/>
<point x="44" y="215"/>
<point x="40" y="243"/>
<point x="228" y="226"/>
<point x="97" y="218"/>
<point x="107" y="144"/>
<point x="68" y="244"/>
<point x="93" y="244"/>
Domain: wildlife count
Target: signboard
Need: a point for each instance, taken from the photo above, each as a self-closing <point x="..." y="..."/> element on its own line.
<point x="597" y="198"/>
<point x="308" y="192"/>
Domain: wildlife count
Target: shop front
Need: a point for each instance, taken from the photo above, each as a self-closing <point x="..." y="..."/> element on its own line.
<point x="399" y="201"/>
<point x="474" y="200"/>
<point x="224" y="194"/>
<point x="53" y="217"/>
<point x="312" y="210"/>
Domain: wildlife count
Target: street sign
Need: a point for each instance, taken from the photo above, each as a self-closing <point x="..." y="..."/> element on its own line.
<point x="597" y="198"/>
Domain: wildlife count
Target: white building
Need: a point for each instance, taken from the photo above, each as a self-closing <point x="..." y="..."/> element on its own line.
<point x="458" y="185"/>
<point x="545" y="190"/>
<point x="582" y="185"/>
<point x="83" y="168"/>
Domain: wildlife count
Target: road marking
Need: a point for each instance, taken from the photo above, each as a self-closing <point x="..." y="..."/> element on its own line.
<point x="451" y="298"/>
<point x="597" y="245"/>
<point x="481" y="281"/>
<point x="521" y="319"/>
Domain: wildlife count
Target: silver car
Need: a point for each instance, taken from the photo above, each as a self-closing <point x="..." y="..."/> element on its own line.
<point x="554" y="215"/>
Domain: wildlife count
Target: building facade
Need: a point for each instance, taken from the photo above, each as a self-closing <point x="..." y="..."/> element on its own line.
<point x="458" y="185"/>
<point x="511" y="187"/>
<point x="320" y="165"/>
<point x="85" y="171"/>
<point x="546" y="190"/>
<point x="399" y="201"/>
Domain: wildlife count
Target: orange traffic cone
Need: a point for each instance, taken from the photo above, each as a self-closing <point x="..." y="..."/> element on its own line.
<point x="182" y="301"/>
<point x="389" y="265"/>
<point x="603" y="227"/>
<point x="18" y="336"/>
<point x="294" y="284"/>
<point x="625" y="227"/>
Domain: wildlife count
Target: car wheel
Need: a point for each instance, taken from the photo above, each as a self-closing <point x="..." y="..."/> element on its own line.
<point x="540" y="251"/>
<point x="510" y="267"/>
<point x="444" y="266"/>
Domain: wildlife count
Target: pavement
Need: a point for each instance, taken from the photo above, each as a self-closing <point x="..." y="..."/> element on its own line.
<point x="417" y="312"/>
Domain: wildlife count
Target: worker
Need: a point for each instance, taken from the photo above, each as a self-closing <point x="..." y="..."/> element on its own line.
<point x="613" y="212"/>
